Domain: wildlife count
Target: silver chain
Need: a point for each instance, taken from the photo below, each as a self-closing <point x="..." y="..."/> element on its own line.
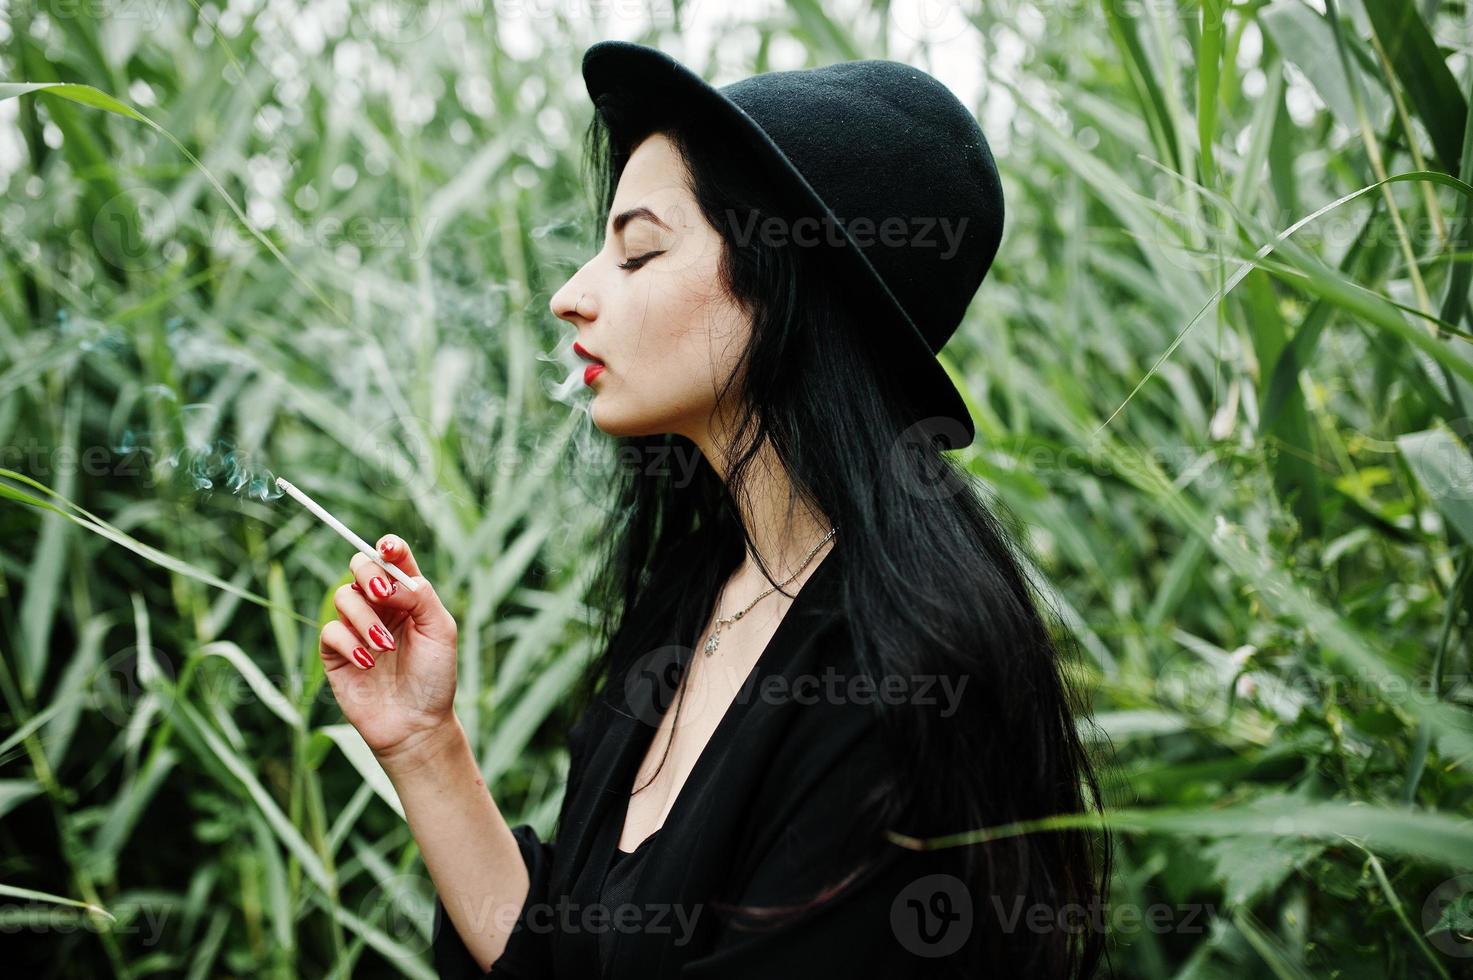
<point x="715" y="638"/>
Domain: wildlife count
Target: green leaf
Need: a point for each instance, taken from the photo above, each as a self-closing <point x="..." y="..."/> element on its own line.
<point x="1438" y="839"/>
<point x="14" y="792"/>
<point x="98" y="526"/>
<point x="271" y="696"/>
<point x="1422" y="69"/>
<point x="361" y="756"/>
<point x="98" y="99"/>
<point x="1251" y="868"/>
<point x="38" y="896"/>
<point x="1444" y="468"/>
<point x="1274" y="953"/>
<point x="80" y="94"/>
<point x="1306" y="38"/>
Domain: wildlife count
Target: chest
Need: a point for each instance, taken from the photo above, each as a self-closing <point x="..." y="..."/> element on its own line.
<point x="703" y="696"/>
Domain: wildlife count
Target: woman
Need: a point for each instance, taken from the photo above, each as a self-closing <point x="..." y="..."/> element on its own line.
<point x="811" y="640"/>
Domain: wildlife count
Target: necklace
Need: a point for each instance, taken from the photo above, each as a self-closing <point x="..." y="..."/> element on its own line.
<point x="715" y="637"/>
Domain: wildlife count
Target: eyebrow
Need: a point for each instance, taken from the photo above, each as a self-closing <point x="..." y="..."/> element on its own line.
<point x="622" y="219"/>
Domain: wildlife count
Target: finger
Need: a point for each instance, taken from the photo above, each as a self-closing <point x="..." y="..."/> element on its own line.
<point x="395" y="549"/>
<point x="380" y="588"/>
<point x="397" y="605"/>
<point x="340" y="646"/>
<point x="354" y="610"/>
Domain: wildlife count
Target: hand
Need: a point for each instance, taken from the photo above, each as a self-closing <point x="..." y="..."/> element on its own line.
<point x="390" y="655"/>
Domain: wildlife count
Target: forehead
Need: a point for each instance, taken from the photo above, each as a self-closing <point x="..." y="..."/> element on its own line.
<point x="654" y="177"/>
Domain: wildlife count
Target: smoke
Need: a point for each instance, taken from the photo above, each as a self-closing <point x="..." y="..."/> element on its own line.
<point x="221" y="465"/>
<point x="217" y="466"/>
<point x="202" y="464"/>
<point x="571" y="390"/>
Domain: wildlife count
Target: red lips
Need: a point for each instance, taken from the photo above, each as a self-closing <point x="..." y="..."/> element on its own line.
<point x="593" y="370"/>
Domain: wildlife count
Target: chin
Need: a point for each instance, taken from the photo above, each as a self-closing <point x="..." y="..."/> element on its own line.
<point x="609" y="420"/>
<point x="613" y="421"/>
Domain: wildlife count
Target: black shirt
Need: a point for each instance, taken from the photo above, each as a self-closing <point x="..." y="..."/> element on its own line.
<point x="776" y="809"/>
<point x="619" y="890"/>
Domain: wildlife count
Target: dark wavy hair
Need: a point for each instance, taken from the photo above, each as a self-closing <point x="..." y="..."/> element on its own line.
<point x="942" y="590"/>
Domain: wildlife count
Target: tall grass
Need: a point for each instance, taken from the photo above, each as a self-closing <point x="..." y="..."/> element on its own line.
<point x="1220" y="373"/>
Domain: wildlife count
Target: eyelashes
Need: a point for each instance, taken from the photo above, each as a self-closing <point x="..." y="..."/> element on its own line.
<point x="640" y="260"/>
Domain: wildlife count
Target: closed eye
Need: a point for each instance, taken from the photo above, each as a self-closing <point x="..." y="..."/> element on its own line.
<point x="639" y="260"/>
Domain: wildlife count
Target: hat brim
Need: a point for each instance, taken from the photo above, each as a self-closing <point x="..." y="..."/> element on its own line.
<point x="623" y="66"/>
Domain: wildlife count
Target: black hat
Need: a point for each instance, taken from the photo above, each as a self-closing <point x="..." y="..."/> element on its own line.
<point x="891" y="168"/>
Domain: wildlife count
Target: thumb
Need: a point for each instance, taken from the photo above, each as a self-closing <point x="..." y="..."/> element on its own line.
<point x="424" y="607"/>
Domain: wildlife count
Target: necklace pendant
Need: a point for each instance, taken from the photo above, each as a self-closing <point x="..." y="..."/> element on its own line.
<point x="711" y="642"/>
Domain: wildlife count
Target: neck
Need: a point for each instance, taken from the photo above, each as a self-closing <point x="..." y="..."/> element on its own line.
<point x="782" y="528"/>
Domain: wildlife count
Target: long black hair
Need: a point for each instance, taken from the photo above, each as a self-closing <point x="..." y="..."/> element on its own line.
<point x="942" y="591"/>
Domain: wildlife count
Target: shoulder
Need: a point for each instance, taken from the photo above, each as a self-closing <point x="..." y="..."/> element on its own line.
<point x="827" y="690"/>
<point x="827" y="748"/>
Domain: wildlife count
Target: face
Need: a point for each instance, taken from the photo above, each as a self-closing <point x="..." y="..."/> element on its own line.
<point x="650" y="308"/>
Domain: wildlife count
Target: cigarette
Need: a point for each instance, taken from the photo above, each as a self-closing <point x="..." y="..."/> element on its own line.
<point x="363" y="546"/>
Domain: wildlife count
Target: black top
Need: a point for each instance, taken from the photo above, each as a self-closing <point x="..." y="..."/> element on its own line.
<point x="780" y="805"/>
<point x="619" y="890"/>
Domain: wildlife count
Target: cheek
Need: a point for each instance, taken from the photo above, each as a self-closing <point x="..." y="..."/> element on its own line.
<point x="702" y="331"/>
<point x="683" y="320"/>
<point x="680" y="338"/>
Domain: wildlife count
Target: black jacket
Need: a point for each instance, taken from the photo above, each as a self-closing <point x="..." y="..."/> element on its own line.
<point x="777" y="807"/>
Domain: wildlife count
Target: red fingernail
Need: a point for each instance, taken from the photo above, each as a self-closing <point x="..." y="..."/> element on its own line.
<point x="363" y="657"/>
<point x="393" y="587"/>
<point x="357" y="588"/>
<point x="379" y="587"/>
<point x="381" y="636"/>
<point x="386" y="547"/>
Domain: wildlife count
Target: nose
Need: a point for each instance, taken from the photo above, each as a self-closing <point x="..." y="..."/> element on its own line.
<point x="572" y="301"/>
